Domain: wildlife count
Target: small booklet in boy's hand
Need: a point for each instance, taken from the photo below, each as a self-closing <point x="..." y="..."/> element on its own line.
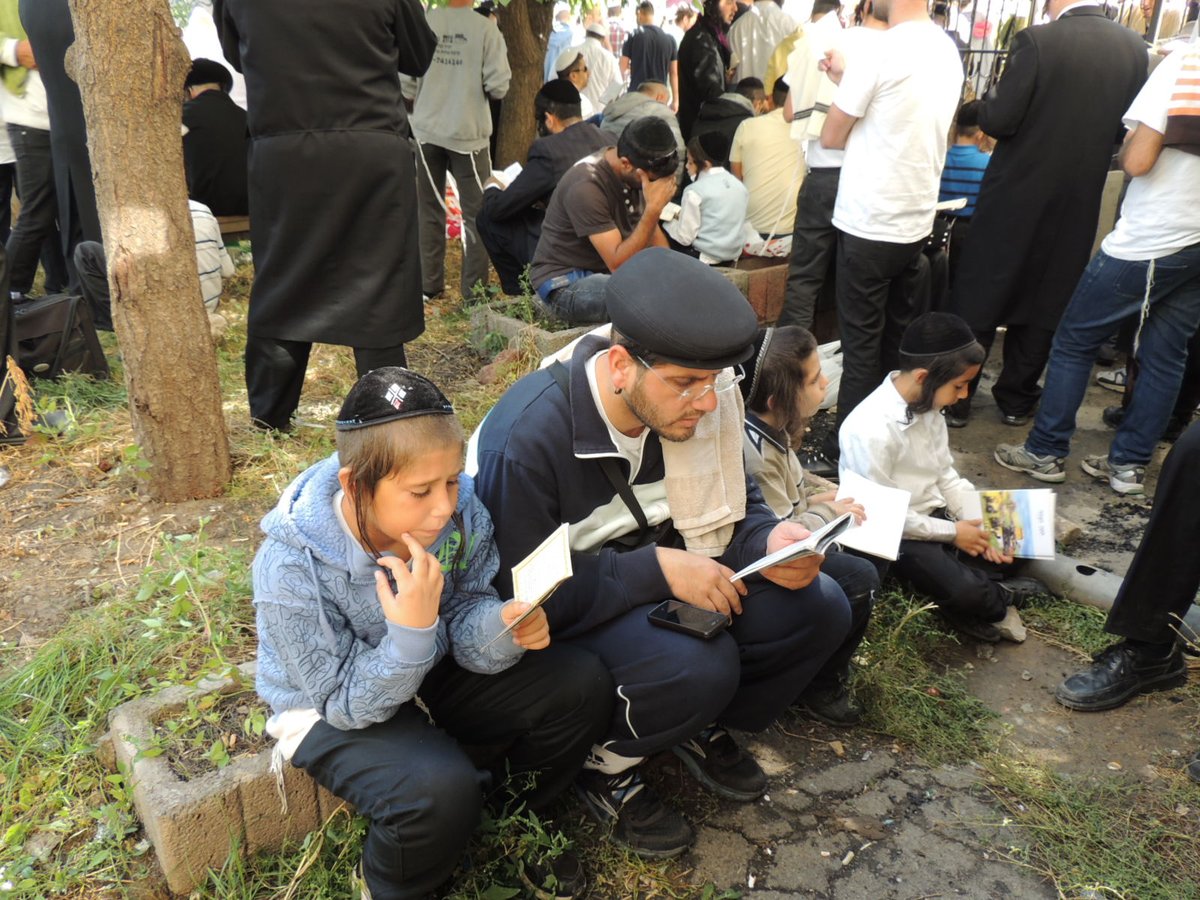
<point x="813" y="545"/>
<point x="886" y="507"/>
<point x="535" y="577"/>
<point x="1018" y="523"/>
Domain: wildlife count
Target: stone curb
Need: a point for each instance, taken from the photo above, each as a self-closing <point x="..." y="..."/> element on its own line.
<point x="195" y="825"/>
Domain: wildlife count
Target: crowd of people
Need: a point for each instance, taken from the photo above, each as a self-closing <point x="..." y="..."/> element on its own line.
<point x="668" y="438"/>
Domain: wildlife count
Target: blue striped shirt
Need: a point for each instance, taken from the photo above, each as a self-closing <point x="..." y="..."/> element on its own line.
<point x="965" y="165"/>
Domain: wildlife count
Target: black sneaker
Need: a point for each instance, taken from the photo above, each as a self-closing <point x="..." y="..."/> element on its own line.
<point x="560" y="878"/>
<point x="1020" y="588"/>
<point x="640" y="820"/>
<point x="831" y="704"/>
<point x="1119" y="673"/>
<point x="817" y="463"/>
<point x="718" y="763"/>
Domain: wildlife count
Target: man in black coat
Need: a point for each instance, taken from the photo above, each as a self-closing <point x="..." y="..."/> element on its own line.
<point x="332" y="185"/>
<point x="703" y="61"/>
<point x="50" y="30"/>
<point x="1056" y="116"/>
<point x="510" y="221"/>
<point x="215" y="144"/>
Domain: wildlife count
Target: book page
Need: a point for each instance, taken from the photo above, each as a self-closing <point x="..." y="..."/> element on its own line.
<point x="508" y="175"/>
<point x="879" y="535"/>
<point x="815" y="543"/>
<point x="538" y="574"/>
<point x="548" y="566"/>
<point x="1019" y="523"/>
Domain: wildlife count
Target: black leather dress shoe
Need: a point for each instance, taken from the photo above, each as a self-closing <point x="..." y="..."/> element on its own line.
<point x="1016" y="421"/>
<point x="1118" y="674"/>
<point x="1020" y="588"/>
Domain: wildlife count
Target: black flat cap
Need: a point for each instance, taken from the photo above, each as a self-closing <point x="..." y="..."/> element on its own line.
<point x="681" y="310"/>
<point x="209" y="71"/>
<point x="390" y="393"/>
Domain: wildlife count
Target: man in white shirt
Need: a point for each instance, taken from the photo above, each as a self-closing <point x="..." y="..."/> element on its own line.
<point x="891" y="113"/>
<point x="1150" y="262"/>
<point x="754" y="37"/>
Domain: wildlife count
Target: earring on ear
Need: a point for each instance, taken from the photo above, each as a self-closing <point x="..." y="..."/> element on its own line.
<point x="617" y="390"/>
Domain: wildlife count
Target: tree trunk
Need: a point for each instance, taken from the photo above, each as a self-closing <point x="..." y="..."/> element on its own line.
<point x="525" y="25"/>
<point x="130" y="66"/>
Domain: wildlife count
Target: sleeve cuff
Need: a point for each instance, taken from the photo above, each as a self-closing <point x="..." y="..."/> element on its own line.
<point x="8" y="52"/>
<point x="642" y="576"/>
<point x="506" y="647"/>
<point x="411" y="646"/>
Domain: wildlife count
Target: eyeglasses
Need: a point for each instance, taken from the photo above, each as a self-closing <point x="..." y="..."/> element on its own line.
<point x="724" y="381"/>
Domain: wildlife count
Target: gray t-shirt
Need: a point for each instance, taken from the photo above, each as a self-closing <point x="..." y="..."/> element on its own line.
<point x="590" y="199"/>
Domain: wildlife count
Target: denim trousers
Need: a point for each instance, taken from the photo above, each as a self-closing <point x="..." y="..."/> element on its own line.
<point x="1110" y="291"/>
<point x="582" y="302"/>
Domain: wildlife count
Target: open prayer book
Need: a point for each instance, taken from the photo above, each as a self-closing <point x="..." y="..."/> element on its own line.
<point x="1018" y="523"/>
<point x="813" y="545"/>
<point x="537" y="576"/>
<point x="885" y="508"/>
<point x="507" y="175"/>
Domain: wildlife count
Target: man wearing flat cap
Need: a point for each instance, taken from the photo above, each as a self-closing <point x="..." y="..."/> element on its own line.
<point x="604" y="211"/>
<point x="215" y="140"/>
<point x="636" y="443"/>
<point x="510" y="220"/>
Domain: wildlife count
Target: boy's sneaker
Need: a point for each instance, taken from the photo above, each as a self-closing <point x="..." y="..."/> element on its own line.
<point x="1122" y="479"/>
<point x="718" y="763"/>
<point x="1113" y="380"/>
<point x="1043" y="468"/>
<point x="640" y="820"/>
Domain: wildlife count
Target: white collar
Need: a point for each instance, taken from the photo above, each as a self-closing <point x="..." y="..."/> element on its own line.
<point x="1081" y="3"/>
<point x="897" y="403"/>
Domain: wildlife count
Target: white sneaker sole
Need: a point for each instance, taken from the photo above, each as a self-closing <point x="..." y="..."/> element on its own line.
<point x="1121" y="487"/>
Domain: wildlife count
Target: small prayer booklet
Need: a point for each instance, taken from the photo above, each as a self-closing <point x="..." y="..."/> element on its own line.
<point x="670" y="212"/>
<point x="507" y="175"/>
<point x="816" y="543"/>
<point x="536" y="576"/>
<point x="880" y="533"/>
<point x="1018" y="523"/>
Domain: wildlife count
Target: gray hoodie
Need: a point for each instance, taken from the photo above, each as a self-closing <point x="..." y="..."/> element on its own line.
<point x="470" y="64"/>
<point x="323" y="641"/>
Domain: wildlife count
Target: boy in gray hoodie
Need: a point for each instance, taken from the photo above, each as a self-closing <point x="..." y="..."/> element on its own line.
<point x="374" y="585"/>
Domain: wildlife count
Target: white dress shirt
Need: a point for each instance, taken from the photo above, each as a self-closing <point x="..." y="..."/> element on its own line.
<point x="880" y="442"/>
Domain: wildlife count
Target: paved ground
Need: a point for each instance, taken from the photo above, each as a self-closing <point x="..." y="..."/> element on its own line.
<point x="876" y="823"/>
<point x="864" y="826"/>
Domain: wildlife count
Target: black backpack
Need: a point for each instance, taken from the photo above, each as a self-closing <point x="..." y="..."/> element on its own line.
<point x="55" y="334"/>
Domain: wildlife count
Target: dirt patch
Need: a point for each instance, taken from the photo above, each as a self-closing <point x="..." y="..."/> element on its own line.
<point x="1146" y="736"/>
<point x="212" y="732"/>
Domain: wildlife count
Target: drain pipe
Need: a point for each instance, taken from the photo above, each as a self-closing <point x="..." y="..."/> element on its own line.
<point x="1068" y="577"/>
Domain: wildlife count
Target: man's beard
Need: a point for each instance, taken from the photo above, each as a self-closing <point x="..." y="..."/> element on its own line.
<point x="665" y="428"/>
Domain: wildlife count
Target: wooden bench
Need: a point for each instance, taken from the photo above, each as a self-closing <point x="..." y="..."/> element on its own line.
<point x="234" y="228"/>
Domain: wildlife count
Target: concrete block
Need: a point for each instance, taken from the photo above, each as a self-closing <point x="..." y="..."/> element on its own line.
<point x="193" y="825"/>
<point x="518" y="334"/>
<point x="268" y="826"/>
<point x="762" y="282"/>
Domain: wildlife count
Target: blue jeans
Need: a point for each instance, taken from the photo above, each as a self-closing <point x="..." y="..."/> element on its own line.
<point x="1109" y="292"/>
<point x="582" y="302"/>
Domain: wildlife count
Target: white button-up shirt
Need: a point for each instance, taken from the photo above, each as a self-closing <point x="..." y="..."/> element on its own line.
<point x="880" y="442"/>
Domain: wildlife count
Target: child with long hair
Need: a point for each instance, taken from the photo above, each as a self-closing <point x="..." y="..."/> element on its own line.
<point x="897" y="437"/>
<point x="783" y="388"/>
<point x="374" y="585"/>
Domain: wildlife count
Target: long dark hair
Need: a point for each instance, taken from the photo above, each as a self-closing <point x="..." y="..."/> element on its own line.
<point x="372" y="454"/>
<point x="779" y="375"/>
<point x="943" y="368"/>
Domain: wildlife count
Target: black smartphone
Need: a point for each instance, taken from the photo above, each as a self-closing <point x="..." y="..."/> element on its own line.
<point x="680" y="616"/>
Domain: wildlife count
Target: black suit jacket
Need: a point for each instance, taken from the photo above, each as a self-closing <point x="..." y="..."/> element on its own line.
<point x="214" y="153"/>
<point x="1056" y="114"/>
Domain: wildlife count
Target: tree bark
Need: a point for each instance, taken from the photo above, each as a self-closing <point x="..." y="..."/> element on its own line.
<point x="130" y="66"/>
<point x="525" y="25"/>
